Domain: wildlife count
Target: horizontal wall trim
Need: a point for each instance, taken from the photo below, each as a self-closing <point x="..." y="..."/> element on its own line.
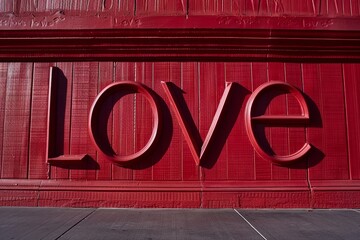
<point x="239" y="194"/>
<point x="339" y="42"/>
<point x="191" y="186"/>
<point x="119" y="186"/>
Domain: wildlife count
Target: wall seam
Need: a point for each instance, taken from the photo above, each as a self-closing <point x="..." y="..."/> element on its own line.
<point x="30" y="118"/>
<point x="346" y="122"/>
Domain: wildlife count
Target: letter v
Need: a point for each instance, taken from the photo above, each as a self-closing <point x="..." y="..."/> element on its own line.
<point x="198" y="148"/>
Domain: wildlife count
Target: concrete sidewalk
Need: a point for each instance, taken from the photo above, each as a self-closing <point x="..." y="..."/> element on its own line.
<point x="75" y="223"/>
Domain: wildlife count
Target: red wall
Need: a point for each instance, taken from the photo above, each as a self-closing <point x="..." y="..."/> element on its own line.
<point x="190" y="7"/>
<point x="32" y="131"/>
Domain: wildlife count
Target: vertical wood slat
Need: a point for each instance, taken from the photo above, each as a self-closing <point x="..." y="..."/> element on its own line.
<point x="144" y="120"/>
<point x="106" y="77"/>
<point x="312" y="87"/>
<point x="221" y="166"/>
<point x="347" y="11"/>
<point x="278" y="135"/>
<point x="169" y="168"/>
<point x="212" y="85"/>
<point x="190" y="86"/>
<point x="126" y="8"/>
<point x="123" y="120"/>
<point x="27" y="6"/>
<point x="115" y="7"/>
<point x="67" y="71"/>
<point x="176" y="163"/>
<point x="205" y="7"/>
<point x="352" y="89"/>
<point x="297" y="8"/>
<point x="297" y="136"/>
<point x="255" y="8"/>
<point x="162" y="171"/>
<point x="84" y="92"/>
<point x="79" y="7"/>
<point x="260" y="76"/>
<point x="335" y="7"/>
<point x="9" y="6"/>
<point x="329" y="8"/>
<point x="38" y="126"/>
<point x="355" y="7"/>
<point x="41" y="5"/>
<point x="17" y="121"/>
<point x="161" y="7"/>
<point x="240" y="152"/>
<point x="3" y="82"/>
<point x="322" y="83"/>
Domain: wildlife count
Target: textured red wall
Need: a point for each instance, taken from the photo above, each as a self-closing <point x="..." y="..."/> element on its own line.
<point x="329" y="176"/>
<point x="190" y="7"/>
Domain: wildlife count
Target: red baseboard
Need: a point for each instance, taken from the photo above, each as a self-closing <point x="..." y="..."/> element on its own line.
<point x="295" y="194"/>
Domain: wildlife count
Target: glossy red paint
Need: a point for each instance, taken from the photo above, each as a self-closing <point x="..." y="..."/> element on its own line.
<point x="199" y="46"/>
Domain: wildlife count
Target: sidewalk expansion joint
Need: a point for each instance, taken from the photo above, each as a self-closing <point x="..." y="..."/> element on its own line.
<point x="257" y="231"/>
<point x="77" y="223"/>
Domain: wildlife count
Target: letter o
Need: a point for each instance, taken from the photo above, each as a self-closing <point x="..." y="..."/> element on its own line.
<point x="101" y="142"/>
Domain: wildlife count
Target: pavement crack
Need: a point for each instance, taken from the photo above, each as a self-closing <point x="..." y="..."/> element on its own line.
<point x="77" y="223"/>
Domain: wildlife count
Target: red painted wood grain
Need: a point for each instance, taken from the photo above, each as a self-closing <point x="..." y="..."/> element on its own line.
<point x="212" y="85"/>
<point x="190" y="85"/>
<point x="274" y="7"/>
<point x="120" y="199"/>
<point x="182" y="7"/>
<point x="169" y="167"/>
<point x="84" y="90"/>
<point x="38" y="124"/>
<point x="123" y="121"/>
<point x="106" y="77"/>
<point x="278" y="135"/>
<point x="328" y="177"/>
<point x="323" y="83"/>
<point x="296" y="136"/>
<point x="17" y="121"/>
<point x="67" y="71"/>
<point x="240" y="153"/>
<point x="3" y="80"/>
<point x="161" y="7"/>
<point x="352" y="88"/>
<point x="260" y="76"/>
<point x="143" y="118"/>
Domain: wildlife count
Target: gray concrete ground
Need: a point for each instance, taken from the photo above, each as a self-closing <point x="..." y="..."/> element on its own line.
<point x="74" y="223"/>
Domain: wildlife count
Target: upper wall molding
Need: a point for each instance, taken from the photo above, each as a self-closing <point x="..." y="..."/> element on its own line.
<point x="60" y="20"/>
<point x="304" y="8"/>
<point x="57" y="37"/>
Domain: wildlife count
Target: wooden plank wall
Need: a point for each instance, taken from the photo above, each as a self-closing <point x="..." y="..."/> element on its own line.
<point x="332" y="87"/>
